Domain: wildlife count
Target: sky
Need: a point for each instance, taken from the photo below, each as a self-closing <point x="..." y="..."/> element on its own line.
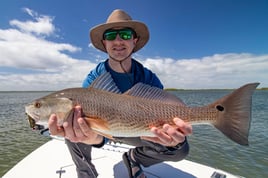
<point x="45" y="45"/>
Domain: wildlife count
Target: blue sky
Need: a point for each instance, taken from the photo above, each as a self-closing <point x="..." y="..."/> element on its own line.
<point x="44" y="45"/>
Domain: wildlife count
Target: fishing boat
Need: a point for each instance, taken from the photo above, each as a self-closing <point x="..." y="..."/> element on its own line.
<point x="52" y="160"/>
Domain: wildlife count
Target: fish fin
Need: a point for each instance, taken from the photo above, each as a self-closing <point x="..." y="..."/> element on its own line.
<point x="105" y="82"/>
<point x="234" y="113"/>
<point x="110" y="137"/>
<point x="153" y="93"/>
<point x="98" y="125"/>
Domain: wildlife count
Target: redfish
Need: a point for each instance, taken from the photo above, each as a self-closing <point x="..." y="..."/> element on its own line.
<point x="135" y="112"/>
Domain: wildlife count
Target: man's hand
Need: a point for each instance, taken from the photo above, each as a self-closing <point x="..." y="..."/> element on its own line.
<point x="74" y="128"/>
<point x="171" y="135"/>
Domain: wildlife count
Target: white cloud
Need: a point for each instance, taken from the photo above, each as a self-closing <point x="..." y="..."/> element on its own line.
<point x="22" y="50"/>
<point x="71" y="76"/>
<point x="217" y="71"/>
<point x="41" y="26"/>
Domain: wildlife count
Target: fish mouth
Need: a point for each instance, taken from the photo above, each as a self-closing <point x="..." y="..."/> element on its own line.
<point x="33" y="124"/>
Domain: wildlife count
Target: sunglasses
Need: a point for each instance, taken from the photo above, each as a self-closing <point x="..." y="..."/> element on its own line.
<point x="124" y="34"/>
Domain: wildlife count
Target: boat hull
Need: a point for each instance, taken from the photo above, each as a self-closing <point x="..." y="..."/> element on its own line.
<point x="53" y="160"/>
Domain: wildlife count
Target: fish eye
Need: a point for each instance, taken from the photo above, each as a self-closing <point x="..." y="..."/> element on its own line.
<point x="37" y="104"/>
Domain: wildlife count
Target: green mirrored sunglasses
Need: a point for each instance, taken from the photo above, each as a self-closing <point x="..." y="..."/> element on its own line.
<point x="124" y="34"/>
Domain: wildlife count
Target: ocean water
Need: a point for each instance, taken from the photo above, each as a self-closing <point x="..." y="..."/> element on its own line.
<point x="207" y="145"/>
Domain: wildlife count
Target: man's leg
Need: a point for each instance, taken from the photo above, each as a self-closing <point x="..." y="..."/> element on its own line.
<point x="148" y="153"/>
<point x="81" y="155"/>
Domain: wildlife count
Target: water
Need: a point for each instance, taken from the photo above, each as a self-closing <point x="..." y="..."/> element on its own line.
<point x="208" y="145"/>
<point x="16" y="138"/>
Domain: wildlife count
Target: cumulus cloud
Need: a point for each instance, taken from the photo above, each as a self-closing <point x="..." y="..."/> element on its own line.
<point x="22" y="50"/>
<point x="71" y="76"/>
<point x="217" y="71"/>
<point x="42" y="24"/>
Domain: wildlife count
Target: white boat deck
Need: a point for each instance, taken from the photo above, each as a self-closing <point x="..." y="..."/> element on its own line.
<point x="52" y="160"/>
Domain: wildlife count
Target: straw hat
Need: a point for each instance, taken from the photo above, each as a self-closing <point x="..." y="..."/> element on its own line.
<point x="119" y="18"/>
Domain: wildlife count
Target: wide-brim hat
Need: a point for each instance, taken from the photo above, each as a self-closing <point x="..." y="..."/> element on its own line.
<point x="119" y="18"/>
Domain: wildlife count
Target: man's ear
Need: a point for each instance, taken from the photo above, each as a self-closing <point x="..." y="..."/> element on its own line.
<point x="103" y="43"/>
<point x="135" y="41"/>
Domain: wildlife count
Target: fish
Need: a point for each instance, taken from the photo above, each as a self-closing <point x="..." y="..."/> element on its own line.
<point x="133" y="113"/>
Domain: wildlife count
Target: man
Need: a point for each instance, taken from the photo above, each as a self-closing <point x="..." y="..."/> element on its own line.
<point x="120" y="37"/>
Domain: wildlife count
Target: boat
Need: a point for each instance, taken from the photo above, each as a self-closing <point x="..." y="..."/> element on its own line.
<point x="52" y="160"/>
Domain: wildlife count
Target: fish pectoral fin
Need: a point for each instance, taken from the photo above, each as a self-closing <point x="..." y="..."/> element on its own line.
<point x="97" y="123"/>
<point x="99" y="126"/>
<point x="110" y="137"/>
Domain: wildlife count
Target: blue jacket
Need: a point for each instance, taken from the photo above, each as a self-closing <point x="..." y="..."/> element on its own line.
<point x="125" y="81"/>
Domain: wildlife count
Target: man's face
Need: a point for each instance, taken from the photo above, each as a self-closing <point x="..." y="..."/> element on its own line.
<point x="119" y="42"/>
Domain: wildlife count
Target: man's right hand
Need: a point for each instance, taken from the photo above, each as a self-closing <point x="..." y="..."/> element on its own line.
<point x="75" y="129"/>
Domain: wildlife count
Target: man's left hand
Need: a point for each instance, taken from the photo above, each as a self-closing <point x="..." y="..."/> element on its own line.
<point x="170" y="135"/>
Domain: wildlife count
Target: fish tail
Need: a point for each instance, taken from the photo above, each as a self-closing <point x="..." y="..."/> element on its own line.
<point x="234" y="113"/>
